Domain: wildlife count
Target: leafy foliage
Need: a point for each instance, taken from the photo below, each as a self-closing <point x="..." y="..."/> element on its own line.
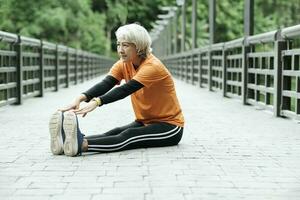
<point x="90" y="24"/>
<point x="70" y="22"/>
<point x="268" y="15"/>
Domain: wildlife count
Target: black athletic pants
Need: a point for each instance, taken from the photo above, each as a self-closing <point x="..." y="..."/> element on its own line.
<point x="135" y="135"/>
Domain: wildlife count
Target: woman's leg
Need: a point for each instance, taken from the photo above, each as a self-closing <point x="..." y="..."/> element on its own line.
<point x="115" y="131"/>
<point x="153" y="135"/>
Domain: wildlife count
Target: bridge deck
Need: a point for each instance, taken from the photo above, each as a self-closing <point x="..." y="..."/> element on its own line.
<point x="229" y="151"/>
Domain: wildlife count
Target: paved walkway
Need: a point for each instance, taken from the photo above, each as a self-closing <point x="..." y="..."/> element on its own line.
<point x="228" y="151"/>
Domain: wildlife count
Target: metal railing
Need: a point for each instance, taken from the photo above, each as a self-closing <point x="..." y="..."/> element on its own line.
<point x="30" y="67"/>
<point x="261" y="70"/>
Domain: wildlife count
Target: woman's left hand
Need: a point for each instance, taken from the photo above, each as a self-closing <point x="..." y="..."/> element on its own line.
<point x="90" y="106"/>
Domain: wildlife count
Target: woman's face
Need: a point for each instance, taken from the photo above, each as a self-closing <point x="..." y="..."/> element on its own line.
<point x="127" y="51"/>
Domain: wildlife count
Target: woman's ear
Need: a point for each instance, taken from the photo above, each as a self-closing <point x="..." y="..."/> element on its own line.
<point x="142" y="54"/>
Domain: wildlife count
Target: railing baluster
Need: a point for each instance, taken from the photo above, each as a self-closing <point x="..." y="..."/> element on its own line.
<point x="224" y="71"/>
<point x="279" y="46"/>
<point x="200" y="69"/>
<point x="67" y="57"/>
<point x="19" y="72"/>
<point x="42" y="72"/>
<point x="56" y="69"/>
<point x="76" y="67"/>
<point x="245" y="51"/>
<point x="209" y="70"/>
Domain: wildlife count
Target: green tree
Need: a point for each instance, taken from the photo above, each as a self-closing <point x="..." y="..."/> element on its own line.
<point x="70" y="22"/>
<point x="120" y="12"/>
<point x="90" y="24"/>
<point x="115" y="12"/>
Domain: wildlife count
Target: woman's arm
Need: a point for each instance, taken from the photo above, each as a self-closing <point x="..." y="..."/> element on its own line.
<point x="121" y="92"/>
<point x="114" y="95"/>
<point x="100" y="88"/>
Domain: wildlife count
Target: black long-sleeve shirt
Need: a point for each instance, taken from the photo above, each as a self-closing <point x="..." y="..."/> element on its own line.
<point x="104" y="92"/>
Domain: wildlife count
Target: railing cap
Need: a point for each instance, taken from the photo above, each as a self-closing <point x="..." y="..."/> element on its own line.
<point x="30" y="41"/>
<point x="197" y="50"/>
<point x="72" y="50"/>
<point x="205" y="48"/>
<point x="217" y="46"/>
<point x="290" y="32"/>
<point x="188" y="53"/>
<point x="234" y="43"/>
<point x="261" y="38"/>
<point x="48" y="45"/>
<point x="62" y="48"/>
<point x="8" y="37"/>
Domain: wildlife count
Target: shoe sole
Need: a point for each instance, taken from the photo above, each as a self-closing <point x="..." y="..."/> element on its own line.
<point x="55" y="124"/>
<point x="70" y="128"/>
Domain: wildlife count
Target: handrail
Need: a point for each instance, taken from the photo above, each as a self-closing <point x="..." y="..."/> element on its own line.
<point x="44" y="66"/>
<point x="8" y="37"/>
<point x="49" y="45"/>
<point x="30" y="41"/>
<point x="261" y="38"/>
<point x="217" y="46"/>
<point x="234" y="43"/>
<point x="290" y="32"/>
<point x="246" y="69"/>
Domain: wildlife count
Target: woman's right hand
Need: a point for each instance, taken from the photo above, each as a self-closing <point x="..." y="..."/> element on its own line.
<point x="74" y="105"/>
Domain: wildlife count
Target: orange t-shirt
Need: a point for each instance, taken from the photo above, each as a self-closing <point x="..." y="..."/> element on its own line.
<point x="157" y="101"/>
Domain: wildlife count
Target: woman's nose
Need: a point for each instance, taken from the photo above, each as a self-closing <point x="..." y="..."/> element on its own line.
<point x="120" y="49"/>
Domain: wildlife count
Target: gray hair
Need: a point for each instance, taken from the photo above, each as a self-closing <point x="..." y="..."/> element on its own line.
<point x="138" y="35"/>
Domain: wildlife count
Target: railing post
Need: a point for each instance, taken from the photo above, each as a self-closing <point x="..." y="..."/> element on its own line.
<point x="175" y="33"/>
<point x="186" y="57"/>
<point x="183" y="26"/>
<point x="100" y="64"/>
<point x="19" y="72"/>
<point x="209" y="70"/>
<point x="42" y="73"/>
<point x="177" y="67"/>
<point x="192" y="68"/>
<point x="88" y="66"/>
<point x="76" y="67"/>
<point x="165" y="33"/>
<point x="96" y="69"/>
<point x="92" y="67"/>
<point x="224" y="71"/>
<point x="82" y="66"/>
<point x="67" y="68"/>
<point x="182" y="67"/>
<point x="249" y="17"/>
<point x="248" y="30"/>
<point x="200" y="69"/>
<point x="56" y="68"/>
<point x="212" y="30"/>
<point x="245" y="51"/>
<point x="279" y="46"/>
<point x="194" y="25"/>
<point x="169" y="27"/>
<point x="212" y="21"/>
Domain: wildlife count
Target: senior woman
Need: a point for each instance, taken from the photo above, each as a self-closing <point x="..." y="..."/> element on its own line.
<point x="158" y="119"/>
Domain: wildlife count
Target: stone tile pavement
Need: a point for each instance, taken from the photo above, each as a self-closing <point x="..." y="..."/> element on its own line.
<point x="229" y="151"/>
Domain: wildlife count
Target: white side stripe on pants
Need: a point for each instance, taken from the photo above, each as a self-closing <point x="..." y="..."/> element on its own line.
<point x="118" y="146"/>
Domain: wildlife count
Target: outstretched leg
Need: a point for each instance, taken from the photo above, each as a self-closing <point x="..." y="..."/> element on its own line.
<point x="116" y="131"/>
<point x="153" y="135"/>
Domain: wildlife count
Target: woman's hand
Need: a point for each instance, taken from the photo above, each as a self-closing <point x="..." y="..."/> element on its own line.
<point x="74" y="105"/>
<point x="86" y="108"/>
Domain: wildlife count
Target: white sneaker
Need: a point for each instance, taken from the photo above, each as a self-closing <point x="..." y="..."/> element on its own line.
<point x="74" y="137"/>
<point x="56" y="133"/>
